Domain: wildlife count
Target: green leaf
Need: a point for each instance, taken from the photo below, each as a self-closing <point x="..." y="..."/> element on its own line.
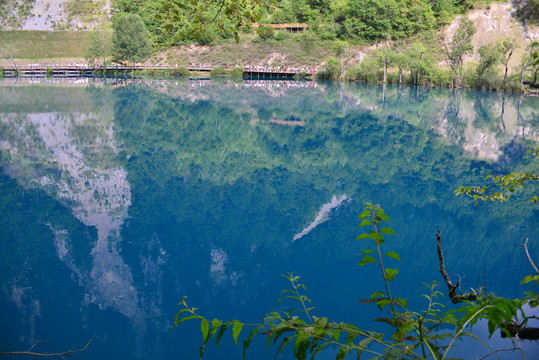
<point x="364" y="214"/>
<point x="285" y="342"/>
<point x="345" y="349"/>
<point x="178" y="322"/>
<point x="236" y="330"/>
<point x="383" y="217"/>
<point x="221" y="333"/>
<point x="317" y="349"/>
<point x="383" y="303"/>
<point x="215" y="323"/>
<point x="376" y="236"/>
<point x="377" y="294"/>
<point x="363" y="236"/>
<point x="388" y="231"/>
<point x="301" y="345"/>
<point x="247" y="341"/>
<point x="205" y="327"/>
<point x="390" y="273"/>
<point x="365" y="223"/>
<point x="393" y="255"/>
<point x="529" y="278"/>
<point x="366" y="260"/>
<point x="367" y="251"/>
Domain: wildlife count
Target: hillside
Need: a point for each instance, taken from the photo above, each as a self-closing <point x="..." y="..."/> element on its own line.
<point x="495" y="22"/>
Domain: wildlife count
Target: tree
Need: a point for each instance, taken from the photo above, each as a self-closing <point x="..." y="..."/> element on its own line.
<point x="489" y="55"/>
<point x="402" y="60"/>
<point x="530" y="61"/>
<point x="100" y="46"/>
<point x="503" y="186"/>
<point x="238" y="13"/>
<point x="385" y="57"/>
<point x="130" y="39"/>
<point x="415" y="57"/>
<point x="459" y="46"/>
<point x="507" y="50"/>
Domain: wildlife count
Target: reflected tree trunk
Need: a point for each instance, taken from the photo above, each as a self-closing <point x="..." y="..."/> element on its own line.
<point x="519" y="115"/>
<point x="503" y="110"/>
<point x="384" y="95"/>
<point x="505" y="72"/>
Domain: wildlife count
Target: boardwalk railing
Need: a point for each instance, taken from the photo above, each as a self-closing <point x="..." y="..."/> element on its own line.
<point x="255" y="72"/>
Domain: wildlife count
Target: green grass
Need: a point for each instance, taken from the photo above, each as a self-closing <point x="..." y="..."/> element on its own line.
<point x="28" y="44"/>
<point x="295" y="50"/>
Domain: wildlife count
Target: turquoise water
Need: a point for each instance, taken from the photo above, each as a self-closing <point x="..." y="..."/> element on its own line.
<point x="120" y="197"/>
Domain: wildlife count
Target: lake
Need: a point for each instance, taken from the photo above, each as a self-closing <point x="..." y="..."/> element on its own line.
<point x="120" y="196"/>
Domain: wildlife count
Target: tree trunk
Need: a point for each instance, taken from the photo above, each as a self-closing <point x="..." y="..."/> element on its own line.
<point x="384" y="95"/>
<point x="385" y="69"/>
<point x="458" y="74"/>
<point x="505" y="73"/>
<point x="400" y="72"/>
<point x="524" y="67"/>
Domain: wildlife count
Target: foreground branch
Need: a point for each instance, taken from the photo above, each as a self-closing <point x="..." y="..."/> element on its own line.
<point x="525" y="245"/>
<point x="62" y="355"/>
<point x="455" y="298"/>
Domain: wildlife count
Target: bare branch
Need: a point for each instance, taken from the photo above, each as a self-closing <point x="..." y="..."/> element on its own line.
<point x="497" y="351"/>
<point x="59" y="354"/>
<point x="452" y="288"/>
<point x="525" y="245"/>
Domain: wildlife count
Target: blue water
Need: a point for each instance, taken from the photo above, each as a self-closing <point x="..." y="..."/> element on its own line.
<point x="120" y="197"/>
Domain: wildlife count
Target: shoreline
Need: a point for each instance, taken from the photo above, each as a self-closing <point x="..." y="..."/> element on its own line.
<point x="77" y="69"/>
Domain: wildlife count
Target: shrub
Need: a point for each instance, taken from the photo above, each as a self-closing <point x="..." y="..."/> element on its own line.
<point x="353" y="73"/>
<point x="218" y="71"/>
<point x="469" y="75"/>
<point x="331" y="70"/>
<point x="237" y="72"/>
<point x="180" y="71"/>
<point x="370" y="70"/>
<point x="441" y="77"/>
<point x="490" y="80"/>
<point x="265" y="32"/>
<point x="281" y="35"/>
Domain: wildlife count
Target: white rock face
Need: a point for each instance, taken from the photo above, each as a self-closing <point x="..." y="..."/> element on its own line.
<point x="97" y="191"/>
<point x="53" y="14"/>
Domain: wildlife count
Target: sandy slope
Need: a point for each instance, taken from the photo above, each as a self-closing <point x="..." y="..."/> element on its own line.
<point x="48" y="13"/>
<point x="497" y="24"/>
<point x="44" y="14"/>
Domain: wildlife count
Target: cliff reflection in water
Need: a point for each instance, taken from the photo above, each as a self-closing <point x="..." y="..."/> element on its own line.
<point x="146" y="191"/>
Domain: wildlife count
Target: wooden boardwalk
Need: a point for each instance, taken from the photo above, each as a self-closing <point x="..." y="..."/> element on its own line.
<point x="78" y="70"/>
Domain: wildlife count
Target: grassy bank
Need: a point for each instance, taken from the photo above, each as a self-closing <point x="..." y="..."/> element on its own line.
<point x="286" y="49"/>
<point x="41" y="45"/>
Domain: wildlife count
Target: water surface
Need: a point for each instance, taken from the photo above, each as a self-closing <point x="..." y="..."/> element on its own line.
<point x="120" y="197"/>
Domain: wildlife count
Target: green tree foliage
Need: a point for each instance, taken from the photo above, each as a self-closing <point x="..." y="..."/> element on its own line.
<point x="530" y="63"/>
<point x="331" y="70"/>
<point x="130" y="39"/>
<point x="528" y="10"/>
<point x="361" y="20"/>
<point x="459" y="46"/>
<point x="507" y="48"/>
<point x="503" y="185"/>
<point x="100" y="46"/>
<point x="490" y="55"/>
